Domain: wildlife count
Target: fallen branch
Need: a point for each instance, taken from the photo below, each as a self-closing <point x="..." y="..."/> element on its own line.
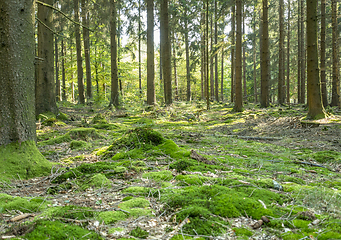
<point x="176" y="230"/>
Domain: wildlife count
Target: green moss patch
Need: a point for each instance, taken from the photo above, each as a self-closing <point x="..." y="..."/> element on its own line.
<point x="136" y="207"/>
<point x="78" y="144"/>
<point x="68" y="212"/>
<point x="112" y="216"/>
<point x="24" y="160"/>
<point x="8" y="202"/>
<point x="159" y="176"/>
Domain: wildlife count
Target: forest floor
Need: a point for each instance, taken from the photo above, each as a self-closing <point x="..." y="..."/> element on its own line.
<point x="180" y="173"/>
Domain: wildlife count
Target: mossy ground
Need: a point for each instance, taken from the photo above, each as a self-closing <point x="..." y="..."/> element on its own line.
<point x="134" y="177"/>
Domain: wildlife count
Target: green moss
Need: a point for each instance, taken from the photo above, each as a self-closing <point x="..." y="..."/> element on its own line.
<point x="63" y="116"/>
<point x="186" y="180"/>
<point x="8" y="202"/>
<point x="97" y="181"/>
<point x="137" y="190"/>
<point x="112" y="216"/>
<point x="113" y="230"/>
<point x="99" y="118"/>
<point x="75" y="144"/>
<point x="139" y="233"/>
<point x="24" y="160"/>
<point x="134" y="203"/>
<point x="159" y="176"/>
<point x="242" y="232"/>
<point x="327" y="156"/>
<point x="58" y="230"/>
<point x="68" y="212"/>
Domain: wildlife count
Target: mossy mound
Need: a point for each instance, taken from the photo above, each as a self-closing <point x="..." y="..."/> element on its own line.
<point x="136" y="207"/>
<point x="110" y="217"/>
<point x="159" y="176"/>
<point x="68" y="212"/>
<point x="58" y="230"/>
<point x="24" y="160"/>
<point x="97" y="181"/>
<point x="75" y="144"/>
<point x="8" y="202"/>
<point x="139" y="233"/>
<point x="99" y="118"/>
<point x="327" y="156"/>
<point x="84" y="134"/>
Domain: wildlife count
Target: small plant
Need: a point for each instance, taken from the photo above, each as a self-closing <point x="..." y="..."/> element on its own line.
<point x="139" y="233"/>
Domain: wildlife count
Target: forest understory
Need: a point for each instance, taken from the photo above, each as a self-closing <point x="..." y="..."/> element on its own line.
<point x="180" y="172"/>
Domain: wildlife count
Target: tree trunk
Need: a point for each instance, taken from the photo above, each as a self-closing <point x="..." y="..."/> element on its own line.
<point x="211" y="62"/>
<point x="81" y="97"/>
<point x="166" y="52"/>
<point x="238" y="106"/>
<point x="18" y="151"/>
<point x="254" y="56"/>
<point x="233" y="70"/>
<point x="336" y="81"/>
<point x="207" y="58"/>
<point x="288" y="55"/>
<point x="188" y="71"/>
<point x="85" y="21"/>
<point x="222" y="76"/>
<point x="299" y="52"/>
<point x="202" y="50"/>
<point x="140" y="62"/>
<point x="114" y="69"/>
<point x="216" y="87"/>
<point x="323" y="54"/>
<point x="244" y="57"/>
<point x="63" y="72"/>
<point x="281" y="86"/>
<point x="176" y="97"/>
<point x="151" y="100"/>
<point x="45" y="85"/>
<point x="265" y="57"/>
<point x="56" y="61"/>
<point x="303" y="55"/>
<point x="315" y="106"/>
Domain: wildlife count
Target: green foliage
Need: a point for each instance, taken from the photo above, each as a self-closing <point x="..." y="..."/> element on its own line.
<point x="75" y="144"/>
<point x="68" y="212"/>
<point x="327" y="156"/>
<point x="139" y="233"/>
<point x="242" y="232"/>
<point x="159" y="176"/>
<point x="8" y="203"/>
<point x="112" y="216"/>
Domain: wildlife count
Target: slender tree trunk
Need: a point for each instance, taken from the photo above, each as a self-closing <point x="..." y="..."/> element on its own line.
<point x="119" y="30"/>
<point x="63" y="72"/>
<point x="56" y="61"/>
<point x="323" y="54"/>
<point x="336" y="80"/>
<point x="238" y="106"/>
<point x="176" y="97"/>
<point x="265" y="57"/>
<point x="222" y="76"/>
<point x="151" y="100"/>
<point x="315" y="106"/>
<point x="288" y="55"/>
<point x="45" y="84"/>
<point x="299" y="52"/>
<point x="207" y="58"/>
<point x="244" y="57"/>
<point x="202" y="50"/>
<point x="212" y="61"/>
<point x="114" y="69"/>
<point x="254" y="55"/>
<point x="303" y="63"/>
<point x="233" y="70"/>
<point x="140" y="62"/>
<point x="188" y="73"/>
<point x="81" y="97"/>
<point x="86" y="42"/>
<point x="166" y="52"/>
<point x="281" y="86"/>
<point x="216" y="87"/>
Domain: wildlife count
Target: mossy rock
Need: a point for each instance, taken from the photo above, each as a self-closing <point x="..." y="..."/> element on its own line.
<point x="159" y="176"/>
<point x="99" y="119"/>
<point x="97" y="181"/>
<point x="23" y="159"/>
<point x="75" y="144"/>
<point x="59" y="230"/>
<point x="63" y="116"/>
<point x="8" y="203"/>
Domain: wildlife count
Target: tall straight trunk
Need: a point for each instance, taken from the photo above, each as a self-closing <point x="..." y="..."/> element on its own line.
<point x="288" y="55"/>
<point x="63" y="72"/>
<point x="211" y="61"/>
<point x="233" y="70"/>
<point x="336" y="81"/>
<point x="71" y="72"/>
<point x="303" y="55"/>
<point x="254" y="55"/>
<point x="281" y="86"/>
<point x="119" y="31"/>
<point x="315" y="106"/>
<point x="176" y="87"/>
<point x="140" y="62"/>
<point x="81" y="97"/>
<point x="114" y="69"/>
<point x="86" y="42"/>
<point x="166" y="52"/>
<point x="323" y="54"/>
<point x="222" y="76"/>
<point x="151" y="99"/>
<point x="188" y="73"/>
<point x="56" y="67"/>
<point x="202" y="52"/>
<point x="216" y="87"/>
<point x="238" y="106"/>
<point x="265" y="57"/>
<point x="299" y="52"/>
<point x="207" y="58"/>
<point x="244" y="57"/>
<point x="45" y="84"/>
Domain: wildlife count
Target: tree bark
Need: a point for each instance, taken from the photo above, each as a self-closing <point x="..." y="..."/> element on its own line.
<point x="265" y="57"/>
<point x="81" y="96"/>
<point x="238" y="106"/>
<point x="315" y="106"/>
<point x="216" y="78"/>
<point x="207" y="59"/>
<point x="166" y="52"/>
<point x="336" y="81"/>
<point x="244" y="57"/>
<point x="299" y="52"/>
<point x="151" y="100"/>
<point x="288" y="55"/>
<point x="323" y="54"/>
<point x="188" y="71"/>
<point x="233" y="70"/>
<point x="203" y="57"/>
<point x="140" y="62"/>
<point x="254" y="56"/>
<point x="56" y="63"/>
<point x="45" y="85"/>
<point x="281" y="86"/>
<point x="211" y="62"/>
<point x="114" y="69"/>
<point x="176" y="87"/>
<point x="86" y="41"/>
<point x="303" y="55"/>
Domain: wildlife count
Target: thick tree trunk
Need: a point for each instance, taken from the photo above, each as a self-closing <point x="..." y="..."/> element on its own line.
<point x="81" y="97"/>
<point x="114" y="69"/>
<point x="281" y="86"/>
<point x="85" y="21"/>
<point x="323" y="54"/>
<point x="222" y="76"/>
<point x="315" y="106"/>
<point x="45" y="85"/>
<point x="18" y="152"/>
<point x="265" y="57"/>
<point x="151" y="100"/>
<point x="336" y="81"/>
<point x="233" y="70"/>
<point x="238" y="106"/>
<point x="166" y="52"/>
